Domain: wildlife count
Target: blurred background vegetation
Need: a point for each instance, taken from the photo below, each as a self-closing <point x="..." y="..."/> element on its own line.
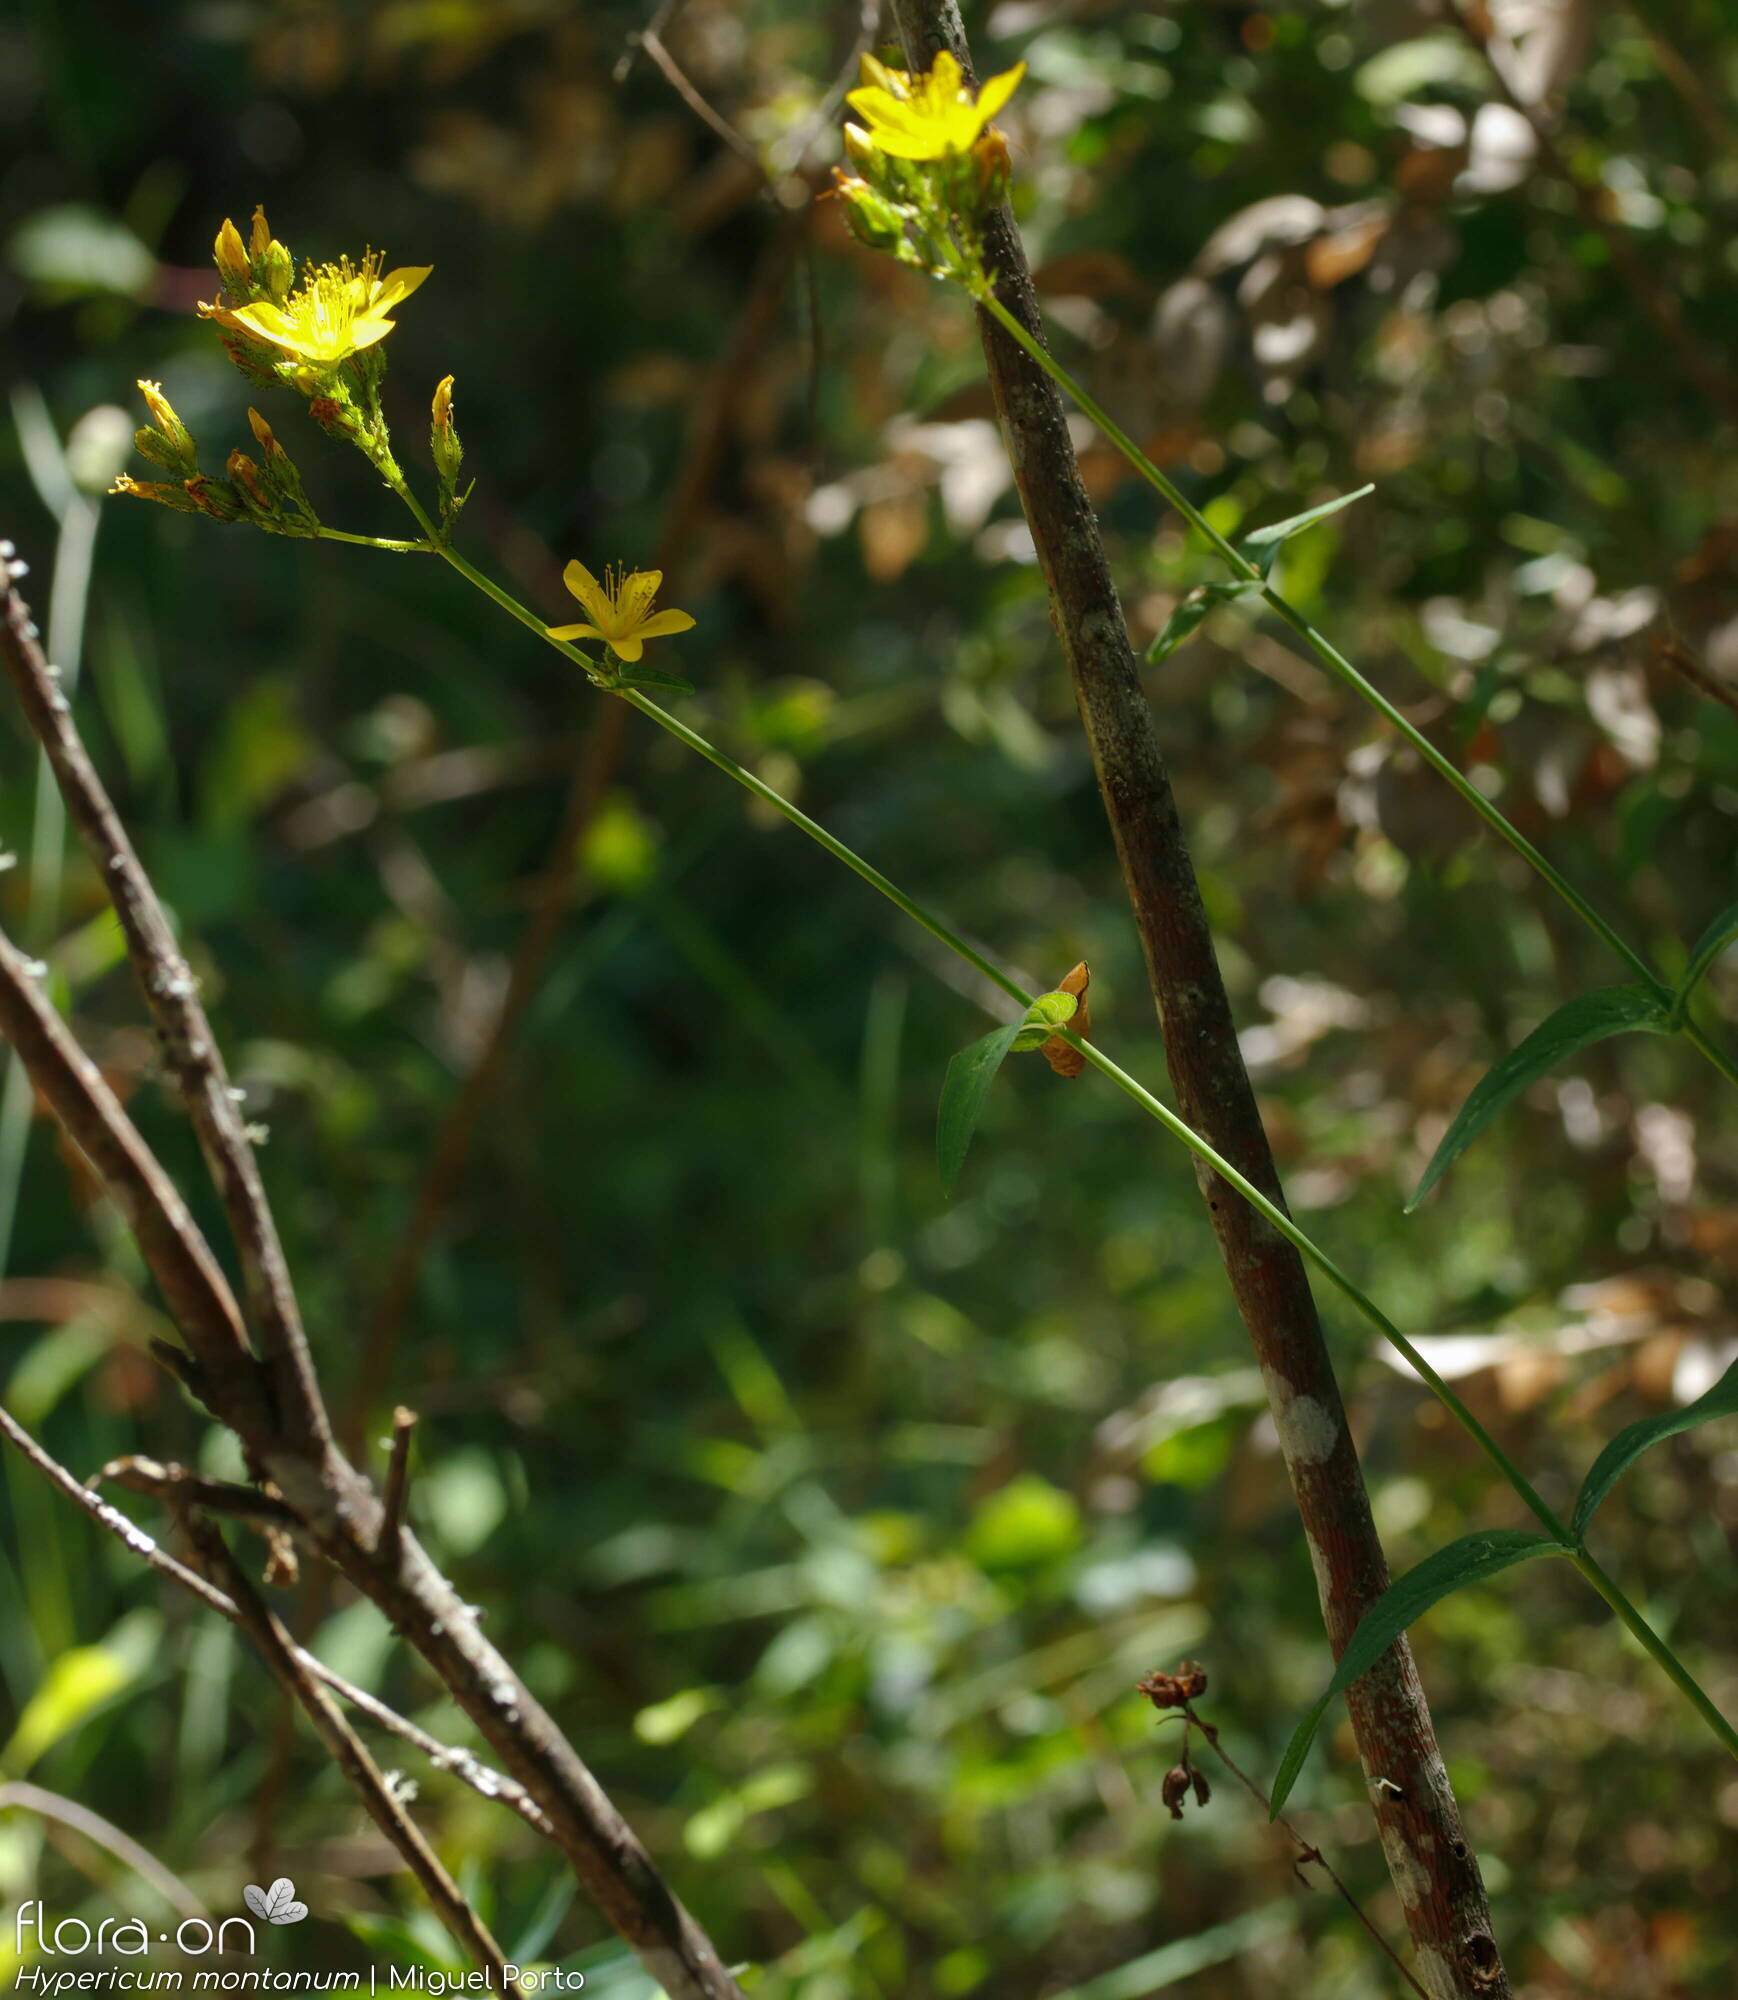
<point x="835" y="1522"/>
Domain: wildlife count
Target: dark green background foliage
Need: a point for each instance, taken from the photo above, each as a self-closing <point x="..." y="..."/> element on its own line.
<point x="834" y="1521"/>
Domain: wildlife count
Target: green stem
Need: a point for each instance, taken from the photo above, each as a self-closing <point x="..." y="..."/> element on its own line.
<point x="1342" y="669"/>
<point x="325" y="534"/>
<point x="1660" y="1651"/>
<point x="1153" y="1106"/>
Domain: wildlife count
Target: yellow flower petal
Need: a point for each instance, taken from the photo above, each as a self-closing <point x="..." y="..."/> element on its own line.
<point x="998" y="90"/>
<point x="627" y="647"/>
<point x="945" y="76"/>
<point x="571" y="632"/>
<point x="662" y="623"/>
<point x="588" y="590"/>
<point x="365" y="332"/>
<point x="399" y="284"/>
<point x="269" y="322"/>
<point x="634" y="595"/>
<point x="896" y="82"/>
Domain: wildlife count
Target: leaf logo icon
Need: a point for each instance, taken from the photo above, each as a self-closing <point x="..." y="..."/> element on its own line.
<point x="276" y="1905"/>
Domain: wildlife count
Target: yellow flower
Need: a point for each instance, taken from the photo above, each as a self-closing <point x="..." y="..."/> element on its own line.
<point x="928" y="117"/>
<point x="621" y="610"/>
<point x="333" y="312"/>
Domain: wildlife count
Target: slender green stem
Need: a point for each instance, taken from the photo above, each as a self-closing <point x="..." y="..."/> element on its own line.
<point x="1660" y="1651"/>
<point x="1153" y="1106"/>
<point x="325" y="534"/>
<point x="1342" y="669"/>
<point x="1307" y="1246"/>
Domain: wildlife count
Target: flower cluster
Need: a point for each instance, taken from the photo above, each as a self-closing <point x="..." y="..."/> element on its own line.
<point x="929" y="164"/>
<point x="321" y="334"/>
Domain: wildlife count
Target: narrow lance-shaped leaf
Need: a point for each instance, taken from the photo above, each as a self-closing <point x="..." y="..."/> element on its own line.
<point x="1709" y="946"/>
<point x="1469" y="1560"/>
<point x="1191" y="611"/>
<point x="973" y="1070"/>
<point x="1630" y="1442"/>
<point x="1262" y="545"/>
<point x="967" y="1085"/>
<point x="1590" y="1017"/>
<point x="642" y="675"/>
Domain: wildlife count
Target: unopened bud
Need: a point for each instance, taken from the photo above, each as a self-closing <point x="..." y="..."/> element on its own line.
<point x="264" y="436"/>
<point x="1203" y="1790"/>
<point x="151" y="489"/>
<point x="1175" y="1789"/>
<point x="256" y="497"/>
<point x="876" y="222"/>
<point x="444" y="438"/>
<point x="214" y="497"/>
<point x="277" y="271"/>
<point x="232" y="264"/>
<point x="261" y="234"/>
<point x="995" y="169"/>
<point x="171" y="444"/>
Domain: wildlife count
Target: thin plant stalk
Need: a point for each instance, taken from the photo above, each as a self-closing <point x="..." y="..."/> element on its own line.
<point x="1342" y="669"/>
<point x="1276" y="1216"/>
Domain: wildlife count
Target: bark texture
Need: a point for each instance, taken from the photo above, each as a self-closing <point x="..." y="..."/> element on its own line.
<point x="1434" y="1870"/>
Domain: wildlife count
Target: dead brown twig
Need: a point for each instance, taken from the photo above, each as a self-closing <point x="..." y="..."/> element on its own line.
<point x="275" y="1408"/>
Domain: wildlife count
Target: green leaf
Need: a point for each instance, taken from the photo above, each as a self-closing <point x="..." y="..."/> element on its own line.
<point x="643" y="675"/>
<point x="1590" y="1017"/>
<point x="969" y="1076"/>
<point x="1281" y="531"/>
<point x="1629" y="1444"/>
<point x="1709" y="946"/>
<point x="1469" y="1560"/>
<point x="1192" y="609"/>
<point x="1046" y="1014"/>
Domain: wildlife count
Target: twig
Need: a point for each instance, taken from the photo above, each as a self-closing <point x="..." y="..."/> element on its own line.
<point x="176" y="1483"/>
<point x="1307" y="1850"/>
<point x="194" y="1289"/>
<point x="1656" y="301"/>
<point x="397" y="1479"/>
<point x="282" y="1658"/>
<point x="194" y="1058"/>
<point x="469" y="1769"/>
<point x="1446" y="1910"/>
<point x="653" y="44"/>
<point x="1670" y="651"/>
<point x="289" y="1444"/>
<point x="22" y="1797"/>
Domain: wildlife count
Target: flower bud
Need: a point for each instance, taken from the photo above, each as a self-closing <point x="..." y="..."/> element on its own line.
<point x="171" y="444"/>
<point x="214" y="497"/>
<point x="1175" y="1789"/>
<point x="876" y="222"/>
<point x="1203" y="1790"/>
<point x="256" y="496"/>
<point x="995" y="169"/>
<point x="443" y="438"/>
<point x="232" y="262"/>
<point x="150" y="489"/>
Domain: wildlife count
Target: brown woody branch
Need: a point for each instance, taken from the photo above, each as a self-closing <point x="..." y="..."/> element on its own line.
<point x="1433" y="1867"/>
<point x="461" y="1763"/>
<point x="283" y="1659"/>
<point x="172" y="994"/>
<point x="282" y="1424"/>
